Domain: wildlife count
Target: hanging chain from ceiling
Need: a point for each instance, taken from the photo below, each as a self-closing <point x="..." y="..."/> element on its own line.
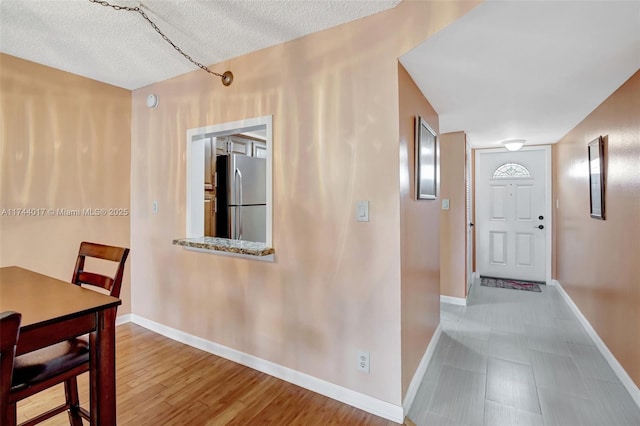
<point x="227" y="77"/>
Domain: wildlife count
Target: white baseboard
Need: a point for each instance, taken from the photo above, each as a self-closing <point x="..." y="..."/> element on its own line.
<point x="460" y="301"/>
<point x="356" y="399"/>
<point x="421" y="370"/>
<point x="624" y="377"/>
<point x="123" y="319"/>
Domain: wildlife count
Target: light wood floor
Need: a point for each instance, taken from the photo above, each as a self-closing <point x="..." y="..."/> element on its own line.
<point x="163" y="382"/>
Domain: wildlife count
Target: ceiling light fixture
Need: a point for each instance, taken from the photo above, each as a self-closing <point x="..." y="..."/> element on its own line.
<point x="226" y="77"/>
<point x="513" y="144"/>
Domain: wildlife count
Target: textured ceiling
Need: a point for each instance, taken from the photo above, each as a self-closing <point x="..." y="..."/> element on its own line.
<point x="506" y="70"/>
<point x="526" y="69"/>
<point x="121" y="48"/>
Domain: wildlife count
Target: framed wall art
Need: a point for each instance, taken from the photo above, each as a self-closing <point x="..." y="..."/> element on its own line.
<point x="426" y="161"/>
<point x="596" y="178"/>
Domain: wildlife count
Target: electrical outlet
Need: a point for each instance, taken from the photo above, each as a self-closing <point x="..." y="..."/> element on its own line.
<point x="154" y="208"/>
<point x="363" y="361"/>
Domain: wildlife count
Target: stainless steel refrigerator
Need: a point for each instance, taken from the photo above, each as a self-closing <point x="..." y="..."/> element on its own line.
<point x="241" y="198"/>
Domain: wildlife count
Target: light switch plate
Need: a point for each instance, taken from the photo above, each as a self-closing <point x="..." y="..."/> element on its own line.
<point x="362" y="211"/>
<point x="445" y="204"/>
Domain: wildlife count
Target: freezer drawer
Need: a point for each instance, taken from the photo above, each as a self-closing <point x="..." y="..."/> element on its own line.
<point x="248" y="223"/>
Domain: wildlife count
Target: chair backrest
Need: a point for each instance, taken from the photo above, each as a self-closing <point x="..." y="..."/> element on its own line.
<point x="9" y="330"/>
<point x="99" y="251"/>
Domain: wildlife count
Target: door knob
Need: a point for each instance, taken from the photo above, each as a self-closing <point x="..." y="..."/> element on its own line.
<point x="539" y="226"/>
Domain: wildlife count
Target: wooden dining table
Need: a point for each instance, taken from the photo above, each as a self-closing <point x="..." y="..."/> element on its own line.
<point x="53" y="311"/>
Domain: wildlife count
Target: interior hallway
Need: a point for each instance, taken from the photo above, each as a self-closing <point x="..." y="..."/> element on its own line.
<point x="515" y="357"/>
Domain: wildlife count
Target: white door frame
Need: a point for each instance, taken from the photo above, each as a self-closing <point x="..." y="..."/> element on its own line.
<point x="547" y="198"/>
<point x="469" y="216"/>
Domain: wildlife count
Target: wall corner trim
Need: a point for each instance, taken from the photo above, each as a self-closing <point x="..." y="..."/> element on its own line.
<point x="123" y="319"/>
<point x="356" y="399"/>
<point x="412" y="391"/>
<point x="624" y="377"/>
<point x="460" y="301"/>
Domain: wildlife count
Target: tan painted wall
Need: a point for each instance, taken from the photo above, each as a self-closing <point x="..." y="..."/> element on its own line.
<point x="598" y="262"/>
<point x="453" y="221"/>
<point x="66" y="144"/>
<point x="334" y="287"/>
<point x="419" y="237"/>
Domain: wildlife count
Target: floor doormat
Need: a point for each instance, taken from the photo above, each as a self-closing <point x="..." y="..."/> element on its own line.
<point x="509" y="283"/>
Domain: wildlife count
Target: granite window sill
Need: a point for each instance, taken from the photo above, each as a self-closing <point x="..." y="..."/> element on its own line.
<point x="224" y="245"/>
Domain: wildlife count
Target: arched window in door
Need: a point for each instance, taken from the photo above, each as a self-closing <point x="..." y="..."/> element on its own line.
<point x="511" y="170"/>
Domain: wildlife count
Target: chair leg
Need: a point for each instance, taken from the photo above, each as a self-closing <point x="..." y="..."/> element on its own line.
<point x="12" y="415"/>
<point x="73" y="401"/>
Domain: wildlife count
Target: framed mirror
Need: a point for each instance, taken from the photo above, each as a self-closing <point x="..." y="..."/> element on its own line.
<point x="596" y="178"/>
<point x="425" y="161"/>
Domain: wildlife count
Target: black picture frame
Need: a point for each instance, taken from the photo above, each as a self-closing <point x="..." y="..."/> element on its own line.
<point x="597" y="178"/>
<point x="426" y="172"/>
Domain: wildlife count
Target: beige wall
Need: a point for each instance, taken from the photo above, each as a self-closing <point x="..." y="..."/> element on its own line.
<point x="419" y="237"/>
<point x="334" y="287"/>
<point x="598" y="262"/>
<point x="65" y="144"/>
<point x="453" y="221"/>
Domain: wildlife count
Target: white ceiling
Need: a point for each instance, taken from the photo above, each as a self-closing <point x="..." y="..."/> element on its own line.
<point x="526" y="69"/>
<point x="506" y="70"/>
<point x="121" y="48"/>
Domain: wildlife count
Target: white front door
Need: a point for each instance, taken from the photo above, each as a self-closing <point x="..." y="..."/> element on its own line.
<point x="513" y="213"/>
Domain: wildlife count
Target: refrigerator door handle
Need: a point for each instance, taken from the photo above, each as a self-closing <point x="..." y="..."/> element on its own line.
<point x="238" y="189"/>
<point x="239" y="186"/>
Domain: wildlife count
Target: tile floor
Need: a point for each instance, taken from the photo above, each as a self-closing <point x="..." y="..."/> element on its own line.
<point x="514" y="357"/>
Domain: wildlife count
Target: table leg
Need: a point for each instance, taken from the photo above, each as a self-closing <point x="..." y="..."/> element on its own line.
<point x="102" y="346"/>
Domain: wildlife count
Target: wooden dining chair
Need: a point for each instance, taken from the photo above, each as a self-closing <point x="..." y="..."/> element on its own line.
<point x="63" y="362"/>
<point x="9" y="330"/>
